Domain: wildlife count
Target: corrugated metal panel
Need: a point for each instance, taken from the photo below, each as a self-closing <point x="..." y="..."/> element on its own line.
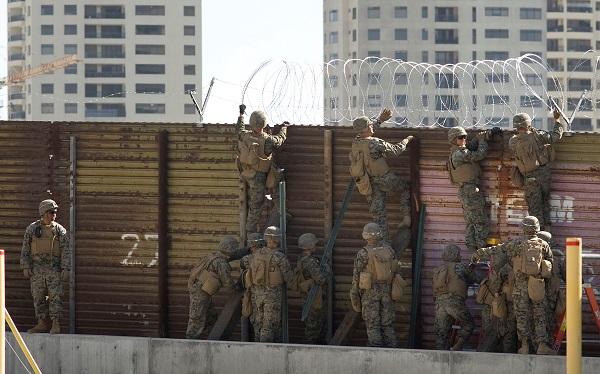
<point x="117" y="199"/>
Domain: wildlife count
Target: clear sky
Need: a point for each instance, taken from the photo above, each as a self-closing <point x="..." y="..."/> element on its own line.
<point x="237" y="37"/>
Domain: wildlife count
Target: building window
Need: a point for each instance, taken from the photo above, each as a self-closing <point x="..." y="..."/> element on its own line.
<point x="374" y="101"/>
<point x="400" y="100"/>
<point x="189" y="30"/>
<point x="70" y="88"/>
<point x="496" y="78"/>
<point x="333" y="103"/>
<point x="333" y="37"/>
<point x="373" y="34"/>
<point x="150" y="29"/>
<point x="47" y="10"/>
<point x="447" y="80"/>
<point x="400" y="12"/>
<point x="424" y="12"/>
<point x="48" y="108"/>
<point x="581" y="124"/>
<point x="496" y="33"/>
<point x="104" y="110"/>
<point x="70" y="10"/>
<point x="189" y="69"/>
<point x="496" y="55"/>
<point x="189" y="11"/>
<point x="333" y="81"/>
<point x="47" y="49"/>
<point x="104" y="90"/>
<point x="424" y="34"/>
<point x="189" y="109"/>
<point x="187" y="88"/>
<point x="354" y="35"/>
<point x="373" y="55"/>
<point x="496" y="100"/>
<point x="354" y="79"/>
<point x="373" y="12"/>
<point x="149" y="68"/>
<point x="149" y="49"/>
<point x="373" y="78"/>
<point x="333" y="15"/>
<point x="70" y="107"/>
<point x="150" y="108"/>
<point x="332" y="57"/>
<point x="47" y="88"/>
<point x="531" y="35"/>
<point x="70" y="29"/>
<point x="531" y="13"/>
<point x="425" y="56"/>
<point x="446" y="57"/>
<point x="400" y="78"/>
<point x="424" y="101"/>
<point x="149" y="10"/>
<point x="70" y="49"/>
<point x="47" y="29"/>
<point x="530" y="102"/>
<point x="400" y="34"/>
<point x="189" y="50"/>
<point x="401" y="55"/>
<point x="496" y="12"/>
<point x="71" y="69"/>
<point x="532" y="79"/>
<point x="353" y="13"/>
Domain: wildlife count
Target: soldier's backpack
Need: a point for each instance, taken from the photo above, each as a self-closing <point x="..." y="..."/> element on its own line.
<point x="531" y="257"/>
<point x="440" y="279"/>
<point x="248" y="151"/>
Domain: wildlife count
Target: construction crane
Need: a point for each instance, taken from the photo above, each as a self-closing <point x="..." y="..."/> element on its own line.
<point x="39" y="70"/>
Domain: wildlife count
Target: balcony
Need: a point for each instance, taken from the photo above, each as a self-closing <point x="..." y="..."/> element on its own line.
<point x="105" y="55"/>
<point x="105" y="35"/>
<point x="16" y="37"/>
<point x="16" y="17"/>
<point x="15" y="1"/>
<point x="447" y="40"/>
<point x="559" y="28"/>
<point x="555" y="9"/>
<point x="16" y="57"/>
<point x="580" y="29"/>
<point x="17" y="115"/>
<point x="446" y="18"/>
<point x="17" y="96"/>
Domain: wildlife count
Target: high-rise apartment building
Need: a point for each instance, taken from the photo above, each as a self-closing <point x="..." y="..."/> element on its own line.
<point x="439" y="32"/>
<point x="137" y="60"/>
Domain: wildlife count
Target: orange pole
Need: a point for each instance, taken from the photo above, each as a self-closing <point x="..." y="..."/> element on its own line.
<point x="2" y="319"/>
<point x="574" y="299"/>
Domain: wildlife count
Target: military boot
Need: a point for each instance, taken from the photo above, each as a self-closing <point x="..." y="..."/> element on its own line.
<point x="543" y="349"/>
<point x="524" y="350"/>
<point x="458" y="346"/>
<point x="55" y="326"/>
<point x="40" y="327"/>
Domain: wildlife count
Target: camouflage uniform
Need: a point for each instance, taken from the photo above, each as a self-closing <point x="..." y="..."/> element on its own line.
<point x="46" y="270"/>
<point x="256" y="182"/>
<point x="507" y="327"/>
<point x="266" y="300"/>
<point x="450" y="306"/>
<point x="202" y="314"/>
<point x="537" y="182"/>
<point x="315" y="326"/>
<point x="378" y="310"/>
<point x="387" y="184"/>
<point x="471" y="196"/>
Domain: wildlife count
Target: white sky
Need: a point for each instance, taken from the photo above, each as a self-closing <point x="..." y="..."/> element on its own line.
<point x="238" y="36"/>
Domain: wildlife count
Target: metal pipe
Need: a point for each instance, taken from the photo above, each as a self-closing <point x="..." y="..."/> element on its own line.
<point x="163" y="240"/>
<point x="328" y="221"/>
<point x="282" y="226"/>
<point x="2" y="317"/>
<point x="416" y="286"/>
<point x="574" y="299"/>
<point x="21" y="343"/>
<point x="72" y="228"/>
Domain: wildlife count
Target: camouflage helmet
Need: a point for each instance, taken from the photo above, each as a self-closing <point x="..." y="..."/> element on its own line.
<point x="499" y="260"/>
<point x="371" y="231"/>
<point x="521" y="120"/>
<point x="258" y="120"/>
<point x="361" y="123"/>
<point x="451" y="253"/>
<point x="455" y="132"/>
<point x="545" y="236"/>
<point x="254" y="240"/>
<point x="228" y="245"/>
<point x="272" y="233"/>
<point x="47" y="205"/>
<point x="307" y="241"/>
<point x="530" y="223"/>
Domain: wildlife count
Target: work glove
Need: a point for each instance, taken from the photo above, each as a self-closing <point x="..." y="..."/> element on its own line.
<point x="285" y="124"/>
<point x="242" y="109"/>
<point x="355" y="300"/>
<point x="407" y="140"/>
<point x="27" y="273"/>
<point x="64" y="274"/>
<point x="475" y="258"/>
<point x="483" y="135"/>
<point x="496" y="131"/>
<point x="385" y="115"/>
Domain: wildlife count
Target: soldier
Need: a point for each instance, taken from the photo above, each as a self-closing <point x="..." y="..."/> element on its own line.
<point x="464" y="170"/>
<point x="531" y="261"/>
<point x="46" y="260"/>
<point x="206" y="278"/>
<point x="254" y="242"/>
<point x="310" y="271"/>
<point x="268" y="269"/>
<point x="374" y="268"/>
<point x="450" y="284"/>
<point x="501" y="284"/>
<point x="533" y="152"/>
<point x="254" y="162"/>
<point x="374" y="178"/>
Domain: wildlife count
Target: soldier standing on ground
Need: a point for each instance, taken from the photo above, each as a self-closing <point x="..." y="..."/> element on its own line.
<point x="369" y="154"/>
<point x="533" y="152"/>
<point x="450" y="285"/>
<point x="268" y="271"/>
<point x="502" y="284"/>
<point x="206" y="278"/>
<point x="531" y="259"/>
<point x="312" y="272"/>
<point x="464" y="170"/>
<point x="254" y="162"/>
<point x="374" y="268"/>
<point x="46" y="260"/>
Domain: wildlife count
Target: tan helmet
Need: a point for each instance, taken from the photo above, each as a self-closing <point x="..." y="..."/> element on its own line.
<point x="255" y="240"/>
<point x="307" y="241"/>
<point x="455" y="132"/>
<point x="371" y="231"/>
<point x="258" y="120"/>
<point x="521" y="120"/>
<point x="47" y="205"/>
<point x="530" y="224"/>
<point x="545" y="236"/>
<point x="361" y="123"/>
<point x="273" y="234"/>
<point x="451" y="253"/>
<point x="228" y="245"/>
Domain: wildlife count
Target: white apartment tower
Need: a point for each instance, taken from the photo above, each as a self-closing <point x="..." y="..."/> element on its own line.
<point x="453" y="31"/>
<point x="137" y="60"/>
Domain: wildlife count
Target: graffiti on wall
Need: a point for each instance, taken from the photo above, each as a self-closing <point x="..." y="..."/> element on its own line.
<point x="143" y="250"/>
